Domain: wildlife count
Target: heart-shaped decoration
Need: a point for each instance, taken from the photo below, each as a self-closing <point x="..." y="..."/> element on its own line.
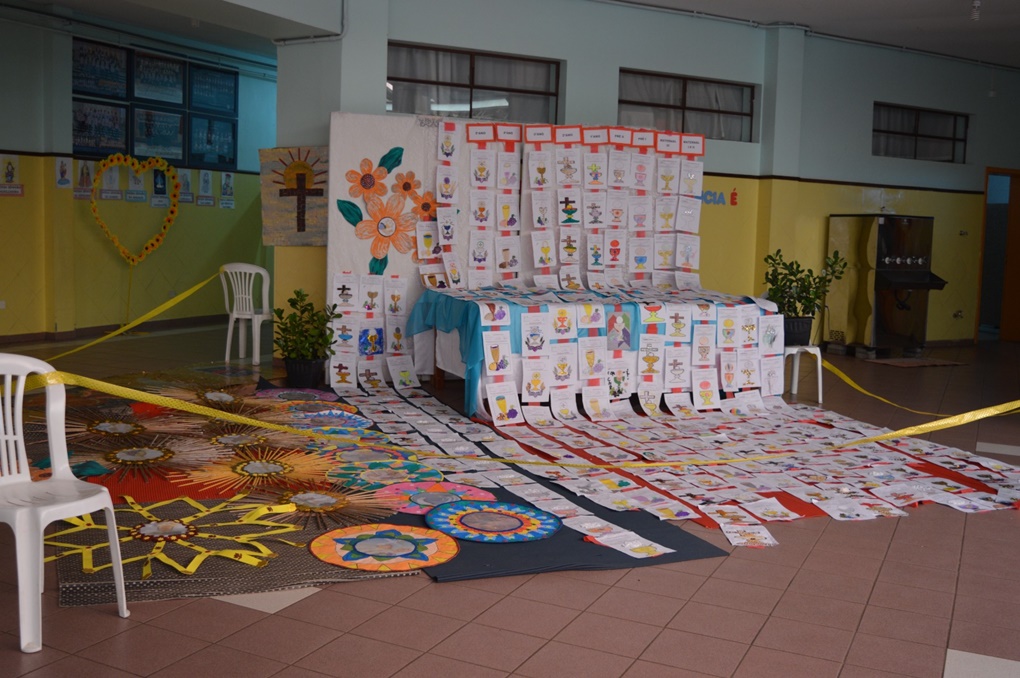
<point x="138" y="167"/>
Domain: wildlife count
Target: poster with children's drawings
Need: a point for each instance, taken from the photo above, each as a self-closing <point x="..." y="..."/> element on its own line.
<point x="727" y="324"/>
<point x="454" y="270"/>
<point x="402" y="372"/>
<point x="563" y="404"/>
<point x="568" y="206"/>
<point x="370" y="297"/>
<point x="397" y="340"/>
<point x="771" y="338"/>
<point x="748" y="363"/>
<point x="504" y="405"/>
<point x="594" y="209"/>
<point x="691" y="176"/>
<point x="640" y="250"/>
<point x="372" y="373"/>
<point x="540" y="174"/>
<point x="494" y="313"/>
<point x="509" y="173"/>
<point x="449" y="141"/>
<point x="688" y="251"/>
<point x="426" y="235"/>
<point x="592" y="353"/>
<point x="536" y="333"/>
<point x="564" y="365"/>
<point x="595" y="170"/>
<point x="678" y="323"/>
<point x="617" y="209"/>
<point x="498" y="353"/>
<point x="704" y="345"/>
<point x="665" y="212"/>
<point x="596" y="253"/>
<point x="543" y="209"/>
<point x="749" y="324"/>
<point x="667" y="175"/>
<point x="568" y="167"/>
<point x="616" y="249"/>
<point x="591" y="316"/>
<point x="480" y="245"/>
<point x="570" y="277"/>
<point x="446" y="219"/>
<point x="689" y="214"/>
<point x="595" y="400"/>
<point x="395" y="294"/>
<point x="677" y="368"/>
<point x="508" y="211"/>
<point x="482" y="166"/>
<point x="619" y="169"/>
<point x="569" y="245"/>
<point x="447" y="184"/>
<point x="508" y="254"/>
<point x="544" y="247"/>
<point x="481" y="206"/>
<point x="642" y="170"/>
<point x="343" y="368"/>
<point x="706" y="388"/>
<point x="639" y="210"/>
<point x="665" y="251"/>
<point x="345" y="291"/>
<point x="345" y="331"/>
<point x="537" y="377"/>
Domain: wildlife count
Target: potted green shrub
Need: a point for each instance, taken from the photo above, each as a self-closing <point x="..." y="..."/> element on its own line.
<point x="800" y="292"/>
<point x="304" y="338"/>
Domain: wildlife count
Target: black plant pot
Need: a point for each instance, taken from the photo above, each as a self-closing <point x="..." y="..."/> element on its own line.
<point x="797" y="330"/>
<point x="302" y="373"/>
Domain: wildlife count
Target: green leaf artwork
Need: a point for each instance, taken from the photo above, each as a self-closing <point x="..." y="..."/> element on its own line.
<point x="392" y="159"/>
<point x="377" y="266"/>
<point x="350" y="211"/>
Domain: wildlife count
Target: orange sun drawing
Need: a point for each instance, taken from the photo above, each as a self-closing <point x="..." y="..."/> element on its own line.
<point x="299" y="178"/>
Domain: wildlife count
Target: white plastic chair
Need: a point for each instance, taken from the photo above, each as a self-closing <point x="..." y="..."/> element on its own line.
<point x="239" y="285"/>
<point x="29" y="506"/>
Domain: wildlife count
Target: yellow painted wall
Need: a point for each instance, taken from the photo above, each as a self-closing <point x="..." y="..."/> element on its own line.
<point x="58" y="272"/>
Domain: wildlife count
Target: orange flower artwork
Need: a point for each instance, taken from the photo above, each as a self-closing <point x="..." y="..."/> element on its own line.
<point x="386" y="225"/>
<point x="424" y="206"/>
<point x="406" y="185"/>
<point x="367" y="182"/>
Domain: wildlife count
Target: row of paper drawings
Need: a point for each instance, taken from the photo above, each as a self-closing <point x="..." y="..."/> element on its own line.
<point x="562" y="167"/>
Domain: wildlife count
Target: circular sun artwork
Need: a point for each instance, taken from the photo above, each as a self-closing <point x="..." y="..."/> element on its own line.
<point x="372" y="475"/>
<point x="420" y="498"/>
<point x="384" y="548"/>
<point x="492" y="522"/>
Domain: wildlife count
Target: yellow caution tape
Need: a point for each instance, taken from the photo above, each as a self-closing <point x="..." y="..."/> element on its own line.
<point x="139" y="320"/>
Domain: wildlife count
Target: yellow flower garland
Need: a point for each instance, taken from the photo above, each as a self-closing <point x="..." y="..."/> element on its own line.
<point x="138" y="167"/>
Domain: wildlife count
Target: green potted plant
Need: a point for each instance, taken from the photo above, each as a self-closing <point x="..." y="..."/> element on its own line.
<point x="800" y="292"/>
<point x="304" y="337"/>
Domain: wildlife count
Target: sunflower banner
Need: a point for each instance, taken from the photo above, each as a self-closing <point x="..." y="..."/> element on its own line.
<point x="381" y="187"/>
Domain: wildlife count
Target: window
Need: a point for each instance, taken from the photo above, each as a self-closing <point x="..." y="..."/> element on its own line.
<point x="719" y="110"/>
<point x="919" y="134"/>
<point x="461" y="84"/>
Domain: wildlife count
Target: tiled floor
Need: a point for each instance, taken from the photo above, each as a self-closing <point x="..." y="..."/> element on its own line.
<point x="930" y="595"/>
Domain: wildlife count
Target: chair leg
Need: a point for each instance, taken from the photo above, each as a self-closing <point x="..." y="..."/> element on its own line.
<point x="29" y="547"/>
<point x="116" y="563"/>
<point x="819" y="378"/>
<point x="230" y="339"/>
<point x="242" y="338"/>
<point x="256" y="341"/>
<point x="796" y="373"/>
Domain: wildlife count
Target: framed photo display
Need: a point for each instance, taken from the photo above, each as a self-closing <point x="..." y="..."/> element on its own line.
<point x="99" y="70"/>
<point x="212" y="142"/>
<point x="159" y="78"/>
<point x="99" y="128"/>
<point x="212" y="90"/>
<point x="158" y="132"/>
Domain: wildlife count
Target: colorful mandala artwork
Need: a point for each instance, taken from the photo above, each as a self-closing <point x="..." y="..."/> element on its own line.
<point x="296" y="394"/>
<point x="254" y="467"/>
<point x="492" y="522"/>
<point x="384" y="548"/>
<point x="328" y="505"/>
<point x="371" y="475"/>
<point x="144" y="457"/>
<point x="420" y="498"/>
<point x="334" y="420"/>
<point x="360" y="454"/>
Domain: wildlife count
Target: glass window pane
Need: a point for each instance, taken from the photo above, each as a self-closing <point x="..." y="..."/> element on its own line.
<point x="935" y="124"/>
<point x="527" y="108"/>
<point x="493" y="71"/>
<point x="960" y="154"/>
<point x="718" y="96"/>
<point x="892" y="145"/>
<point x="409" y="97"/>
<point x="934" y="149"/>
<point x="961" y="127"/>
<point x="428" y="64"/>
<point x="652" y="89"/>
<point x="649" y="117"/>
<point x="894" y="119"/>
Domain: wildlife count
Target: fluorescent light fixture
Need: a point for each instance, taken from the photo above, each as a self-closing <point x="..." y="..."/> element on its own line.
<point x="389" y="86"/>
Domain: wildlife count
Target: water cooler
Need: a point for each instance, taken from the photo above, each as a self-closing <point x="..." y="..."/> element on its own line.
<point x="882" y="301"/>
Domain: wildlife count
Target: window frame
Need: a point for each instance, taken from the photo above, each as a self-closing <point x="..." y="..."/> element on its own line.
<point x="917" y="136"/>
<point x="684" y="81"/>
<point x="471" y="85"/>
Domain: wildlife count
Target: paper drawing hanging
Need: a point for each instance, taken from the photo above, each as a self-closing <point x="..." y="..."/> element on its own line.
<point x="293" y="190"/>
